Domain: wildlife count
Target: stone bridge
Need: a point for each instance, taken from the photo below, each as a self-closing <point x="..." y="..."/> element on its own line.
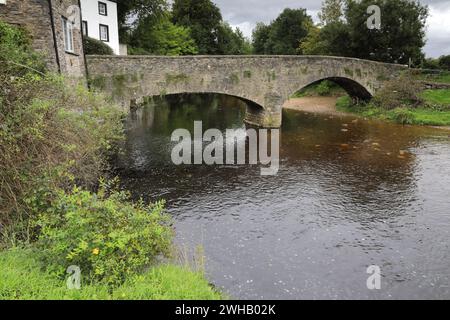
<point x="265" y="81"/>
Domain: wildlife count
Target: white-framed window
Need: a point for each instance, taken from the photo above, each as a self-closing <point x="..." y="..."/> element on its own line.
<point x="104" y="33"/>
<point x="68" y="34"/>
<point x="102" y="9"/>
<point x="2" y="1"/>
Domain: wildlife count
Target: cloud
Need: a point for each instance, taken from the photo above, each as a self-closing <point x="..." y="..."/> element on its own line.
<point x="246" y="13"/>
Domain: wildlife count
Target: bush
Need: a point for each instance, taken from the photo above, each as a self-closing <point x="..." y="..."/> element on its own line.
<point x="444" y="62"/>
<point x="399" y="93"/>
<point x="324" y="88"/>
<point x="52" y="135"/>
<point x="431" y="64"/>
<point x="109" y="238"/>
<point x="94" y="46"/>
<point x="403" y="116"/>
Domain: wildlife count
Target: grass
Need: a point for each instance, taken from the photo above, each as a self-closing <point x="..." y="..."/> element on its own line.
<point x="21" y="278"/>
<point x="443" y="77"/>
<point x="437" y="97"/>
<point x="416" y="116"/>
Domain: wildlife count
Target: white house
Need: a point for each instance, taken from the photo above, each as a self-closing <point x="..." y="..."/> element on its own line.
<point x="100" y="22"/>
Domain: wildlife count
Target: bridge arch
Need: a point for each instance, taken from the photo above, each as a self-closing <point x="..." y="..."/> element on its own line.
<point x="354" y="89"/>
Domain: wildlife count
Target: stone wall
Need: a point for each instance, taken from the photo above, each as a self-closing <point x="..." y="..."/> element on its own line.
<point x="35" y="16"/>
<point x="267" y="81"/>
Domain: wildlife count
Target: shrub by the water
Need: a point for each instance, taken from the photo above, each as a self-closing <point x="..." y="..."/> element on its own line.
<point x="104" y="234"/>
<point x="399" y="93"/>
<point x="94" y="46"/>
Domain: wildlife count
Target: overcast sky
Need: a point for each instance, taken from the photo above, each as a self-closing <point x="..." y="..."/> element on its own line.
<point x="245" y="13"/>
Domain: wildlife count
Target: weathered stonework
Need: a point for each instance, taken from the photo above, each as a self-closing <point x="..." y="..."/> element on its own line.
<point x="43" y="21"/>
<point x="267" y="81"/>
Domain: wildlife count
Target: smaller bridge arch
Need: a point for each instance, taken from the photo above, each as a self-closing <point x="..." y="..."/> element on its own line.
<point x="266" y="81"/>
<point x="354" y="89"/>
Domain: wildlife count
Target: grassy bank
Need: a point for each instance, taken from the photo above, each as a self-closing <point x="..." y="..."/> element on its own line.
<point x="22" y="278"/>
<point x="402" y="101"/>
<point x="439" y="77"/>
<point x="413" y="116"/>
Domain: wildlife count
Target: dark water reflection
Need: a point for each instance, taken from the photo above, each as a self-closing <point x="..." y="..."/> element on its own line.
<point x="350" y="193"/>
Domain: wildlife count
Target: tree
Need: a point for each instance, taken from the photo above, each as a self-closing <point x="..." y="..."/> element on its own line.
<point x="401" y="37"/>
<point x="232" y="42"/>
<point x="402" y="33"/>
<point x="260" y="38"/>
<point x="331" y="11"/>
<point x="133" y="11"/>
<point x="444" y="62"/>
<point x="203" y="18"/>
<point x="162" y="37"/>
<point x="284" y="34"/>
<point x="330" y="40"/>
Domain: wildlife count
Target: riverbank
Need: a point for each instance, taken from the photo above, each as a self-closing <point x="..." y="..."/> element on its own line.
<point x="23" y="279"/>
<point x="423" y="116"/>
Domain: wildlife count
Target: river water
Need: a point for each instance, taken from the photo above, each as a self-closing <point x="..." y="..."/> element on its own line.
<point x="349" y="194"/>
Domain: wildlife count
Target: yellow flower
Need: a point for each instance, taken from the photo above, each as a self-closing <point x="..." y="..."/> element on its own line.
<point x="96" y="251"/>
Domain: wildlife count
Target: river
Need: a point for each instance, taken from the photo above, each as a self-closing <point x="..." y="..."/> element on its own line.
<point x="350" y="193"/>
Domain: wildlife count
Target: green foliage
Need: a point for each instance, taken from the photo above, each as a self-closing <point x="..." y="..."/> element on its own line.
<point x="52" y="135"/>
<point x="284" y="34"/>
<point x="94" y="46"/>
<point x="399" y="93"/>
<point x="232" y="42"/>
<point x="402" y="33"/>
<point x="109" y="238"/>
<point x="16" y="54"/>
<point x="331" y="40"/>
<point x="22" y="278"/>
<point x="431" y="63"/>
<point x="260" y="38"/>
<point x="331" y="11"/>
<point x="203" y="17"/>
<point x="137" y="10"/>
<point x="322" y="88"/>
<point x="344" y="103"/>
<point x="444" y="62"/>
<point x="402" y="116"/>
<point x="162" y="37"/>
<point x="211" y="34"/>
<point x="415" y="116"/>
<point x="401" y="37"/>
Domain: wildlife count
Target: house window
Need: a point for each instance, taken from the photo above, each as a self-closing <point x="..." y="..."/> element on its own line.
<point x="102" y="9"/>
<point x="2" y="1"/>
<point x="67" y="27"/>
<point x="104" y="33"/>
<point x="84" y="28"/>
